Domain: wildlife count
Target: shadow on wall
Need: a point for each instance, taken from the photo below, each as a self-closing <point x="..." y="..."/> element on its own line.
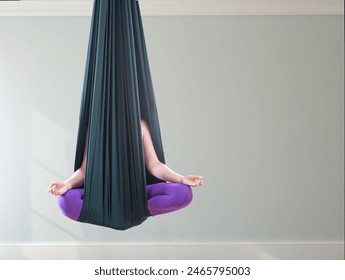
<point x="52" y="151"/>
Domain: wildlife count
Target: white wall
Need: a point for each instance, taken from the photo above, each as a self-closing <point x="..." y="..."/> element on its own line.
<point x="253" y="103"/>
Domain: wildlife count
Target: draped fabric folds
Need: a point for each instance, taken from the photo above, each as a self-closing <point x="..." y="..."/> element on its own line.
<point x="117" y="94"/>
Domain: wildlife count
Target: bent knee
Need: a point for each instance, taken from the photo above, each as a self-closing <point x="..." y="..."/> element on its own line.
<point x="188" y="195"/>
<point x="184" y="194"/>
<point x="70" y="204"/>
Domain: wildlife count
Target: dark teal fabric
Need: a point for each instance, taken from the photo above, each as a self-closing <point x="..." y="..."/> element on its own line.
<point x="117" y="93"/>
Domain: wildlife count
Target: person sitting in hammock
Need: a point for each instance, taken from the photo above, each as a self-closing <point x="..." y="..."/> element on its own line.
<point x="163" y="197"/>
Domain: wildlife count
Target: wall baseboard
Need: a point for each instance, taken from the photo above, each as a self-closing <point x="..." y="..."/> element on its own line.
<point x="174" y="252"/>
<point x="179" y="7"/>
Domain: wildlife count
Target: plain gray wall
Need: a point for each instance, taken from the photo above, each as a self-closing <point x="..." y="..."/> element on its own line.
<point x="252" y="103"/>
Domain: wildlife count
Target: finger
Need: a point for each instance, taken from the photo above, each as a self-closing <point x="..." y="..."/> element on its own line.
<point x="52" y="188"/>
<point x="194" y="184"/>
<point x="197" y="180"/>
<point x="53" y="185"/>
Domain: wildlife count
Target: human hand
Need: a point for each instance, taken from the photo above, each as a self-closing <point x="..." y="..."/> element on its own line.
<point x="193" y="180"/>
<point x="58" y="188"/>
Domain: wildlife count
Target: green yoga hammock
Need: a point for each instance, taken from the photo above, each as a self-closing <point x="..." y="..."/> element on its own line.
<point x="117" y="94"/>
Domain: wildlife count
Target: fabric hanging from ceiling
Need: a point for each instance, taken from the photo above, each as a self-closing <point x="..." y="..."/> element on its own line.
<point x="117" y="94"/>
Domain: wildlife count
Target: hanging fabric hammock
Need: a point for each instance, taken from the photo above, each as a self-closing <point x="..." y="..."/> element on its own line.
<point x="117" y="94"/>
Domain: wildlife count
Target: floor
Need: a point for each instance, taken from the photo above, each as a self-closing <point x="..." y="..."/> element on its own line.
<point x="168" y="252"/>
